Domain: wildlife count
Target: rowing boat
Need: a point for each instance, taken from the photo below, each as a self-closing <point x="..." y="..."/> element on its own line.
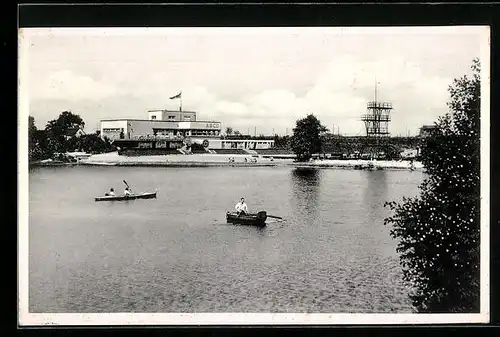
<point x="255" y="219"/>
<point x="145" y="195"/>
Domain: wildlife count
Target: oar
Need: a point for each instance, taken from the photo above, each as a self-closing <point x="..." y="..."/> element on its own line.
<point x="127" y="185"/>
<point x="274" y="216"/>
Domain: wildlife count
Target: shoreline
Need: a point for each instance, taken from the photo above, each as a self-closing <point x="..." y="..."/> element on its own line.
<point x="179" y="164"/>
<point x="217" y="160"/>
<point x="363" y="165"/>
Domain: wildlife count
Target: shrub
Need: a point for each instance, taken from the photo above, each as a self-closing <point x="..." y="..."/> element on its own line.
<point x="438" y="231"/>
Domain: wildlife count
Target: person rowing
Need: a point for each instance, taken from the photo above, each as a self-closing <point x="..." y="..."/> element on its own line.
<point x="111" y="192"/>
<point x="241" y="207"/>
<point x="127" y="191"/>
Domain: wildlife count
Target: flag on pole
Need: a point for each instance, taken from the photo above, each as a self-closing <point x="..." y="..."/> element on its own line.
<point x="179" y="95"/>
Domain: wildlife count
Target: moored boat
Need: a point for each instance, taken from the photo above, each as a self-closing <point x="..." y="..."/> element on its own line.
<point x="255" y="219"/>
<point x="145" y="195"/>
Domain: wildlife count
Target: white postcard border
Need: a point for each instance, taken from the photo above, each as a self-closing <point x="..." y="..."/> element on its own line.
<point x="25" y="318"/>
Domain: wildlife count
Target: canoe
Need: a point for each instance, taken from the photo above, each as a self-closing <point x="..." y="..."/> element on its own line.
<point x="255" y="219"/>
<point x="145" y="195"/>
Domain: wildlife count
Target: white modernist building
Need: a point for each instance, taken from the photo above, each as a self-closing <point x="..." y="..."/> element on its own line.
<point x="168" y="124"/>
<point x="160" y="123"/>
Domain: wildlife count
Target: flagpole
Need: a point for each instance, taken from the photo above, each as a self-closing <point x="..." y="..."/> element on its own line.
<point x="180" y="107"/>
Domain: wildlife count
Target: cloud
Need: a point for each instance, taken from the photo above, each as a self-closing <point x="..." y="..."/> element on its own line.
<point x="65" y="84"/>
<point x="260" y="81"/>
<point x="338" y="96"/>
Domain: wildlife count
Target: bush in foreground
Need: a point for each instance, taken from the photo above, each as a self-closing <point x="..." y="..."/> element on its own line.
<point x="438" y="231"/>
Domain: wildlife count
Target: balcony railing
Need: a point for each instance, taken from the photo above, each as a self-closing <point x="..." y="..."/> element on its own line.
<point x="379" y="105"/>
<point x="168" y="137"/>
<point x="376" y="118"/>
<point x="157" y="137"/>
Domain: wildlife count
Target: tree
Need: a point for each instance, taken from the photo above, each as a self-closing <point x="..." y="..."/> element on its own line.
<point x="31" y="125"/>
<point x="32" y="141"/>
<point x="306" y="138"/>
<point x="38" y="143"/>
<point x="438" y="231"/>
<point x="282" y="142"/>
<point x="66" y="120"/>
<point x="92" y="143"/>
<point x="43" y="148"/>
<point x="229" y="131"/>
<point x="57" y="128"/>
<point x="45" y="143"/>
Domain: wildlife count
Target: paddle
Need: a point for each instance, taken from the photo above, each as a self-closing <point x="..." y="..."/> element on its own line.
<point x="127" y="185"/>
<point x="274" y="216"/>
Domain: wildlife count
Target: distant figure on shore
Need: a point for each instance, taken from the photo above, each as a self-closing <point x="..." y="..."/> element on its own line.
<point x="111" y="192"/>
<point x="127" y="191"/>
<point x="412" y="165"/>
<point x="241" y="207"/>
<point x="246" y="160"/>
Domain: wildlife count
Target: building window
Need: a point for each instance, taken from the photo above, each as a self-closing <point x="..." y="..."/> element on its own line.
<point x="171" y="118"/>
<point x="153" y="117"/>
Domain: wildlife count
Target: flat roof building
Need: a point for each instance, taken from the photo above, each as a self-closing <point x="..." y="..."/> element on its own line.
<point x="165" y="123"/>
<point x="172" y="115"/>
<point x="169" y="129"/>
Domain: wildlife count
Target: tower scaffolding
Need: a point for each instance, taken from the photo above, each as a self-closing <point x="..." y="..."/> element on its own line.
<point x="376" y="122"/>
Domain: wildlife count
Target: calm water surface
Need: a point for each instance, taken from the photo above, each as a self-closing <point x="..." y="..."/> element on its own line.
<point x="177" y="254"/>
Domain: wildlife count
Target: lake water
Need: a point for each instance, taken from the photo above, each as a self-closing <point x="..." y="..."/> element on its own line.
<point x="176" y="253"/>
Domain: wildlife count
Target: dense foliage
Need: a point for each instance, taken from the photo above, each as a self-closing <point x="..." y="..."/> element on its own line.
<point x="438" y="231"/>
<point x="90" y="143"/>
<point x="44" y="144"/>
<point x="282" y="142"/>
<point x="58" y="128"/>
<point x="306" y="139"/>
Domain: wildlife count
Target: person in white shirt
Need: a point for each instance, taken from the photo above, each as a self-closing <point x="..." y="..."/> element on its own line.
<point x="127" y="191"/>
<point x="241" y="207"/>
<point x="111" y="192"/>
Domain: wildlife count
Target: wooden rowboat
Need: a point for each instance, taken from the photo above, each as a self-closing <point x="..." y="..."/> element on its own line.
<point x="254" y="219"/>
<point x="145" y="195"/>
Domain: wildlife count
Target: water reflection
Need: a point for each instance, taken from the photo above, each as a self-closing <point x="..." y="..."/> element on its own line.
<point x="375" y="194"/>
<point x="305" y="192"/>
<point x="255" y="231"/>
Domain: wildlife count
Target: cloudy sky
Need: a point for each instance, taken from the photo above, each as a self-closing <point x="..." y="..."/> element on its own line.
<point x="246" y="78"/>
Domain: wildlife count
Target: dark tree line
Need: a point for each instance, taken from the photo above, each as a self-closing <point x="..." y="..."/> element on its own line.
<point x="46" y="143"/>
<point x="391" y="146"/>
